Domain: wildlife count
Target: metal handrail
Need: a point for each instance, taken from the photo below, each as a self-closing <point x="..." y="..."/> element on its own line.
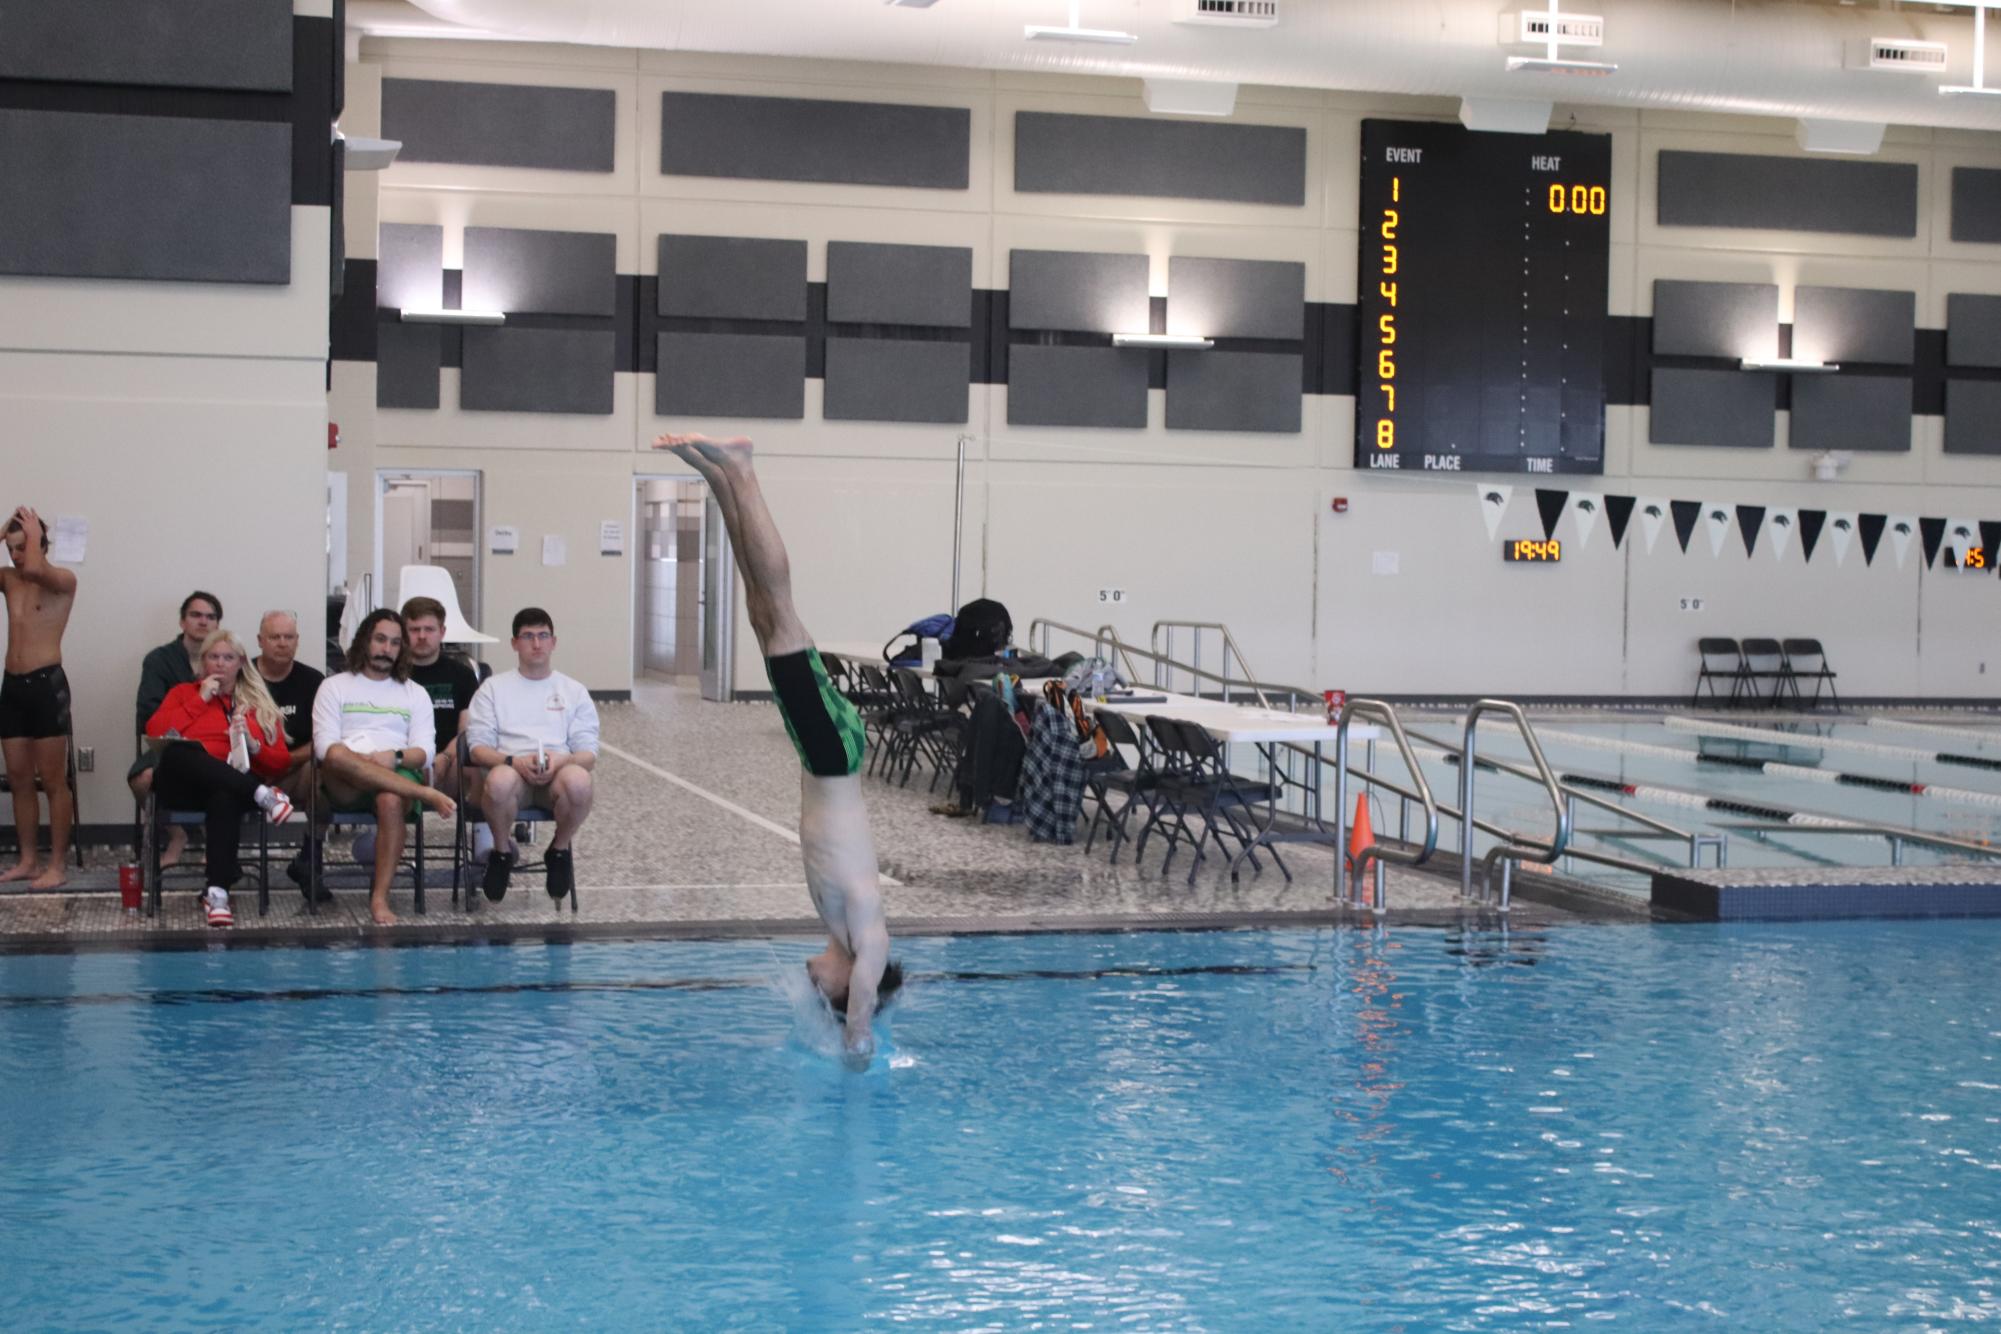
<point x="1376" y="852"/>
<point x="1896" y="834"/>
<point x="1038" y="633"/>
<point x="1229" y="648"/>
<point x="1513" y="848"/>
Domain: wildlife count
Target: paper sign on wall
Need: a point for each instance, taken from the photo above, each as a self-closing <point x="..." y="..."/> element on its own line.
<point x="503" y="539"/>
<point x="611" y="538"/>
<point x="69" y="539"/>
<point x="1384" y="562"/>
<point x="555" y="551"/>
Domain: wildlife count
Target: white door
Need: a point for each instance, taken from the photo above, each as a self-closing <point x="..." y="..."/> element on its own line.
<point x="718" y="607"/>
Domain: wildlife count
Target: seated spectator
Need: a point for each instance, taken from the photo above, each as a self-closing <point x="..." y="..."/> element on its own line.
<point x="450" y="681"/>
<point x="171" y="664"/>
<point x="372" y="736"/>
<point x="221" y="735"/>
<point x="535" y="732"/>
<point x="292" y="684"/>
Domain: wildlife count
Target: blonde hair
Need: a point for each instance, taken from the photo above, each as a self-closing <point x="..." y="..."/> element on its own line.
<point x="252" y="695"/>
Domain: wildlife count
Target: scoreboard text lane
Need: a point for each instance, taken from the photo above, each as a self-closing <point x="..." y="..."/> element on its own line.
<point x="1484" y="262"/>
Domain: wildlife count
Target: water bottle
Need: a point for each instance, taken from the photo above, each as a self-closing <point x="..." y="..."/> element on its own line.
<point x="1099" y="671"/>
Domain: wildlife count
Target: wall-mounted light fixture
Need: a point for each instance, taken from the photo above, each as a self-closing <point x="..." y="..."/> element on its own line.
<point x="1790" y="365"/>
<point x="1172" y="342"/>
<point x="1036" y="32"/>
<point x="483" y="317"/>
<point x="367" y="154"/>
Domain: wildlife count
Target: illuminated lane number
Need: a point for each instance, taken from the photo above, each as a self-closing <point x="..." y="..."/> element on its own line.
<point x="1580" y="199"/>
<point x="1386" y="323"/>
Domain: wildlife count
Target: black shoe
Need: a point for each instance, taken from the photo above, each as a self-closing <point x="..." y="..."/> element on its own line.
<point x="299" y="872"/>
<point x="499" y="867"/>
<point x="562" y="869"/>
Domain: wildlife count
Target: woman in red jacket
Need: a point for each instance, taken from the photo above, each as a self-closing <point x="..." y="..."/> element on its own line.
<point x="223" y="733"/>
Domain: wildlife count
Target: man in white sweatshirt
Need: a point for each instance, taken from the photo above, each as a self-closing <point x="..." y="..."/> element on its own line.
<point x="372" y="732"/>
<point x="535" y="732"/>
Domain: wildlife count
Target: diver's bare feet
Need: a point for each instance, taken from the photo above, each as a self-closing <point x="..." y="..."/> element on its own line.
<point x="732" y="455"/>
<point x="379" y="910"/>
<point x="23" y="871"/>
<point x="53" y="878"/>
<point x="439" y="803"/>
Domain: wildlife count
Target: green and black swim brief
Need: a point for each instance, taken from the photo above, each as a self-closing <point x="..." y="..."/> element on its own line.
<point x="823" y="725"/>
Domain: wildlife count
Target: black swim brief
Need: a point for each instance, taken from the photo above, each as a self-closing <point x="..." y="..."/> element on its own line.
<point x="35" y="704"/>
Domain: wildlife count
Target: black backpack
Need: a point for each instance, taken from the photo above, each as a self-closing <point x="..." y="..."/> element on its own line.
<point x="982" y="629"/>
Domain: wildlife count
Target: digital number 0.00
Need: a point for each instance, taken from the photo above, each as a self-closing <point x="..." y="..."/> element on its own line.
<point x="1583" y="199"/>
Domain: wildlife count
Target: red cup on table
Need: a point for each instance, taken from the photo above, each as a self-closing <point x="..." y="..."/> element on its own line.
<point x="131" y="886"/>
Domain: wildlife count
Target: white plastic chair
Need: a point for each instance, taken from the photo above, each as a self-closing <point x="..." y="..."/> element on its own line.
<point x="435" y="581"/>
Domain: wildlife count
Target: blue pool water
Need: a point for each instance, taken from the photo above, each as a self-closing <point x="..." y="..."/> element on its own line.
<point x="1770" y="1128"/>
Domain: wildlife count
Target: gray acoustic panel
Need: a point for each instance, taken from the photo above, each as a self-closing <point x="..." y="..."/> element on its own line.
<point x="1725" y="409"/>
<point x="730" y="375"/>
<point x="1173" y="159"/>
<point x="151" y="197"/>
<point x="1788" y="194"/>
<point x="1848" y="324"/>
<point x="545" y="273"/>
<point x="233" y="44"/>
<point x="1076" y="386"/>
<point x="407" y="358"/>
<point x="1715" y="319"/>
<point x="899" y="284"/>
<point x="1072" y="289"/>
<point x="1976" y="204"/>
<point x="733" y="277"/>
<point x="792" y="139"/>
<point x="409" y="266"/>
<point x="1972" y="330"/>
<point x="1236" y="298"/>
<point x="1233" y="391"/>
<point x="538" y="370"/>
<point x="1973" y="416"/>
<point x="501" y="124"/>
<point x="896" y="380"/>
<point x="1852" y="412"/>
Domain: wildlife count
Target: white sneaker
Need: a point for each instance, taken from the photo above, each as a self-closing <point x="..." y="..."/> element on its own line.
<point x="482" y="844"/>
<point x="216" y="901"/>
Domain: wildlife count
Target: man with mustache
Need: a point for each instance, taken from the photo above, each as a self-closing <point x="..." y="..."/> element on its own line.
<point x="374" y="735"/>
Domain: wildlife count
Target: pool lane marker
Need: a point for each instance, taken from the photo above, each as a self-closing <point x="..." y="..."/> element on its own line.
<point x="1704" y="728"/>
<point x="789" y="835"/>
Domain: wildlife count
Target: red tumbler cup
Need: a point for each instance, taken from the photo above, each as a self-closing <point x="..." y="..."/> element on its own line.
<point x="130" y="886"/>
<point x="1337" y="703"/>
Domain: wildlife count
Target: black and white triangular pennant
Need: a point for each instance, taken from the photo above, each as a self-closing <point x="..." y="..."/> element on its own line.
<point x="1811" y="522"/>
<point x="1686" y="512"/>
<point x="1870" y="526"/>
<point x="1550" y="505"/>
<point x="1618" y="511"/>
<point x="1750" y="518"/>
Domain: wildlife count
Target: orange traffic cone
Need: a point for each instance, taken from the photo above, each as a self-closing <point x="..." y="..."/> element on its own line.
<point x="1360" y="835"/>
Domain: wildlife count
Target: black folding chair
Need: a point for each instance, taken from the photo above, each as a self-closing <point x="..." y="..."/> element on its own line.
<point x="1223" y="800"/>
<point x="158" y="819"/>
<point x="1134" y="782"/>
<point x="75" y="797"/>
<point x="1728" y="667"/>
<point x="1765" y="660"/>
<point x="1798" y="652"/>
<point x="323" y="816"/>
<point x="463" y="865"/>
<point x="923" y="727"/>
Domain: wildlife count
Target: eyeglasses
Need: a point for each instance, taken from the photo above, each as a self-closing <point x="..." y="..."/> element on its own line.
<point x="538" y="636"/>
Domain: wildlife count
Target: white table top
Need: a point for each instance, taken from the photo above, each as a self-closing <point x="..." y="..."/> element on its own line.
<point x="853" y="650"/>
<point x="1238" y="722"/>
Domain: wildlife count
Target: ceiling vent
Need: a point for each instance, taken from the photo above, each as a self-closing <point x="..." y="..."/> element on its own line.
<point x="1897" y="53"/>
<point x="1227" y="13"/>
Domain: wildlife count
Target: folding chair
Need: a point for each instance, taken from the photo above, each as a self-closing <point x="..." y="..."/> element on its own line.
<point x="922" y="726"/>
<point x="463" y="886"/>
<point x="1136" y="782"/>
<point x="1222" y="796"/>
<point x="75" y="798"/>
<point x="321" y="816"/>
<point x="1731" y="670"/>
<point x="1765" y="660"/>
<point x="1796" y="651"/>
<point x="158" y="819"/>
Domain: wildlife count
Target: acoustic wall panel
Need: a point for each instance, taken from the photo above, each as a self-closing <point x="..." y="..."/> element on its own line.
<point x="1788" y="194"/>
<point x="409" y="266"/>
<point x="896" y="380"/>
<point x="732" y="277"/>
<point x="1236" y="298"/>
<point x="1069" y="289"/>
<point x="501" y="124"/>
<point x="1727" y="409"/>
<point x="793" y="139"/>
<point x="90" y="196"/>
<point x="1846" y="324"/>
<point x="538" y="370"/>
<point x="899" y="284"/>
<point x="548" y="273"/>
<point x="1076" y="386"/>
<point x="1233" y="391"/>
<point x="407" y="359"/>
<point x="232" y="44"/>
<point x="1972" y="330"/>
<point x="1174" y="159"/>
<point x="1973" y="417"/>
<point x="730" y="375"/>
<point x="1976" y="204"/>
<point x="1853" y="412"/>
<point x="1715" y="319"/>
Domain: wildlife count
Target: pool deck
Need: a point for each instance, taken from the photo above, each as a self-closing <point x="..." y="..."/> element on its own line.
<point x="692" y="835"/>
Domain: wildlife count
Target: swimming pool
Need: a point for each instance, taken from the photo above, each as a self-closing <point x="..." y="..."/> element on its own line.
<point x="1751" y="1128"/>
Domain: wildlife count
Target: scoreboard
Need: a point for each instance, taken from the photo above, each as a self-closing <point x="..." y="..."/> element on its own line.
<point x="1484" y="263"/>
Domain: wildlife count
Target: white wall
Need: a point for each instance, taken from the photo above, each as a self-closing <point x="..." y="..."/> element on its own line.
<point x="1194" y="526"/>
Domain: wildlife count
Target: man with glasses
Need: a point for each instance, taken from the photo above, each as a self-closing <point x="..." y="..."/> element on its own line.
<point x="172" y="664"/>
<point x="535" y="732"/>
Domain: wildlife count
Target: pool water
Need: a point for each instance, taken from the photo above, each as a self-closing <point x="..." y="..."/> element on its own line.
<point x="1749" y="1127"/>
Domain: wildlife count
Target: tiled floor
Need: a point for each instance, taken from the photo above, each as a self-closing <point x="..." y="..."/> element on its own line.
<point x="693" y="832"/>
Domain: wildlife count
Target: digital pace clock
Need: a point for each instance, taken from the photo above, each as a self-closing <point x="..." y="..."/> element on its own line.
<point x="1481" y="295"/>
<point x="1532" y="549"/>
